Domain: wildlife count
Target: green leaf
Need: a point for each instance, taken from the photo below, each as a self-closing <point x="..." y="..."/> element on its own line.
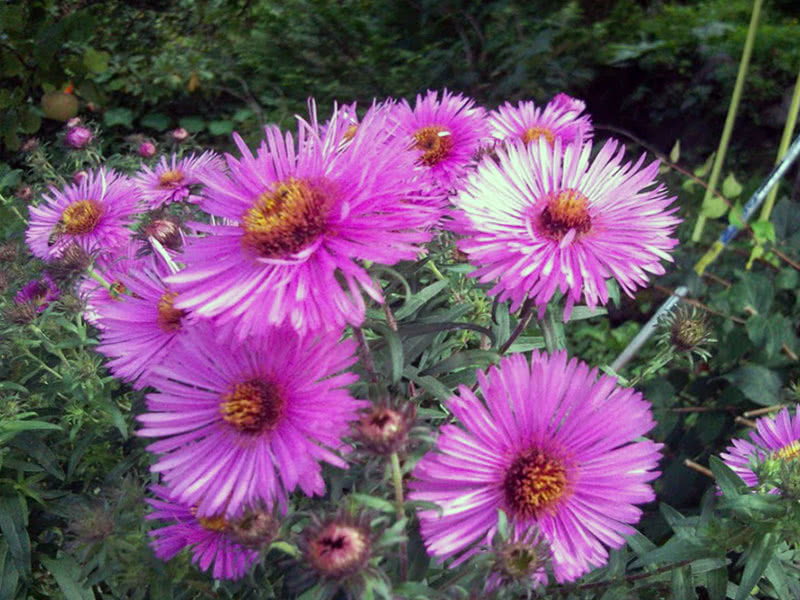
<point x="12" y="385"/>
<point x="67" y="572"/>
<point x="96" y="61"/>
<point x="706" y="167"/>
<point x="392" y="340"/>
<point x="192" y="124"/>
<point x="34" y="447"/>
<point x="157" y="121"/>
<point x="9" y="576"/>
<point x="242" y="114"/>
<point x="373" y="502"/>
<point x="761" y="553"/>
<point x="12" y="526"/>
<point x="428" y="383"/>
<point x="768" y="332"/>
<point x="421" y="298"/>
<point x="730" y="187"/>
<point x="735" y="216"/>
<point x="717" y="584"/>
<point x="763" y="231"/>
<point x="713" y="206"/>
<point x="220" y="127"/>
<point x="580" y="313"/>
<point x="757" y="383"/>
<point x="675" y="153"/>
<point x="728" y="481"/>
<point x="675" y="550"/>
<point x="502" y="524"/>
<point x="118" y="116"/>
<point x="682" y="588"/>
<point x="776" y="574"/>
<point x="613" y="291"/>
<point x="466" y="359"/>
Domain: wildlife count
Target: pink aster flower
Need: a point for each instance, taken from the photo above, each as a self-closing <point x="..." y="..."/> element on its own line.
<point x="39" y="293"/>
<point x="541" y="218"/>
<point x="443" y="135"/>
<point x="209" y="537"/>
<point x="560" y="119"/>
<point x="777" y="437"/>
<point x="93" y="213"/>
<point x="175" y="179"/>
<point x="140" y="324"/>
<point x="301" y="219"/>
<point x="248" y="422"/>
<point x="553" y="447"/>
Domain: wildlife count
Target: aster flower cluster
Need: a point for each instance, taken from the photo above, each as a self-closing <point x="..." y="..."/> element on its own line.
<point x="237" y="324"/>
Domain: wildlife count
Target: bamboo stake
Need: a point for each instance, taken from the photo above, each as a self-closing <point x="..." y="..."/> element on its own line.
<point x="733" y="108"/>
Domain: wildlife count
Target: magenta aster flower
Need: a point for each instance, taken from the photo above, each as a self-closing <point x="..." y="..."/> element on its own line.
<point x="777" y="437"/>
<point x="553" y="447"/>
<point x="39" y="293"/>
<point x="541" y="218"/>
<point x="444" y="135"/>
<point x="248" y="422"/>
<point x="209" y="537"/>
<point x="176" y="179"/>
<point x="93" y="213"/>
<point x="140" y="324"/>
<point x="560" y="119"/>
<point x="302" y="222"/>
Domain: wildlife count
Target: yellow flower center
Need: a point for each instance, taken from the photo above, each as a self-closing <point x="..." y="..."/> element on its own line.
<point x="565" y="211"/>
<point x="789" y="452"/>
<point x="217" y="523"/>
<point x="287" y="218"/>
<point x="534" y="483"/>
<point x="435" y="142"/>
<point x="534" y="133"/>
<point x="170" y="179"/>
<point x="254" y="406"/>
<point x="169" y="317"/>
<point x="81" y="217"/>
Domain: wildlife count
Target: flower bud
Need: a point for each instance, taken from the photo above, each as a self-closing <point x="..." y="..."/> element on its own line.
<point x="78" y="137"/>
<point x="73" y="122"/>
<point x="338" y="549"/>
<point x="166" y="230"/>
<point x="73" y="260"/>
<point x="8" y="252"/>
<point x="383" y="428"/>
<point x="24" y="193"/>
<point x="80" y="176"/>
<point x="179" y="134"/>
<point x="30" y="145"/>
<point x="147" y="149"/>
<point x="255" y="529"/>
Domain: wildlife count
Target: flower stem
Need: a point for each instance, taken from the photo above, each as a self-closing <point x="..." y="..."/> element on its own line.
<point x="97" y="277"/>
<point x="397" y="478"/>
<point x="553" y="332"/>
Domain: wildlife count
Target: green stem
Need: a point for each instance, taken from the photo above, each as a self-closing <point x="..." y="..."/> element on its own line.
<point x="661" y="359"/>
<point x="744" y="63"/>
<point x="397" y="478"/>
<point x="97" y="277"/>
<point x="553" y="331"/>
<point x="435" y="270"/>
<point x="786" y="138"/>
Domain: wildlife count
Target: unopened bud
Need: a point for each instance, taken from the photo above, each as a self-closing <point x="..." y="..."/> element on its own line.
<point x="80" y="177"/>
<point x="78" y="137"/>
<point x="255" y="530"/>
<point x="179" y="134"/>
<point x="147" y="149"/>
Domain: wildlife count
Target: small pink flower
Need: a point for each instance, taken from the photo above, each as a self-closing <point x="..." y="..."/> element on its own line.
<point x="78" y="137"/>
<point x="147" y="149"/>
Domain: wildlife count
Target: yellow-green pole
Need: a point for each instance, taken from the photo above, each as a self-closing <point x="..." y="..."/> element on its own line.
<point x="788" y="132"/>
<point x="744" y="63"/>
